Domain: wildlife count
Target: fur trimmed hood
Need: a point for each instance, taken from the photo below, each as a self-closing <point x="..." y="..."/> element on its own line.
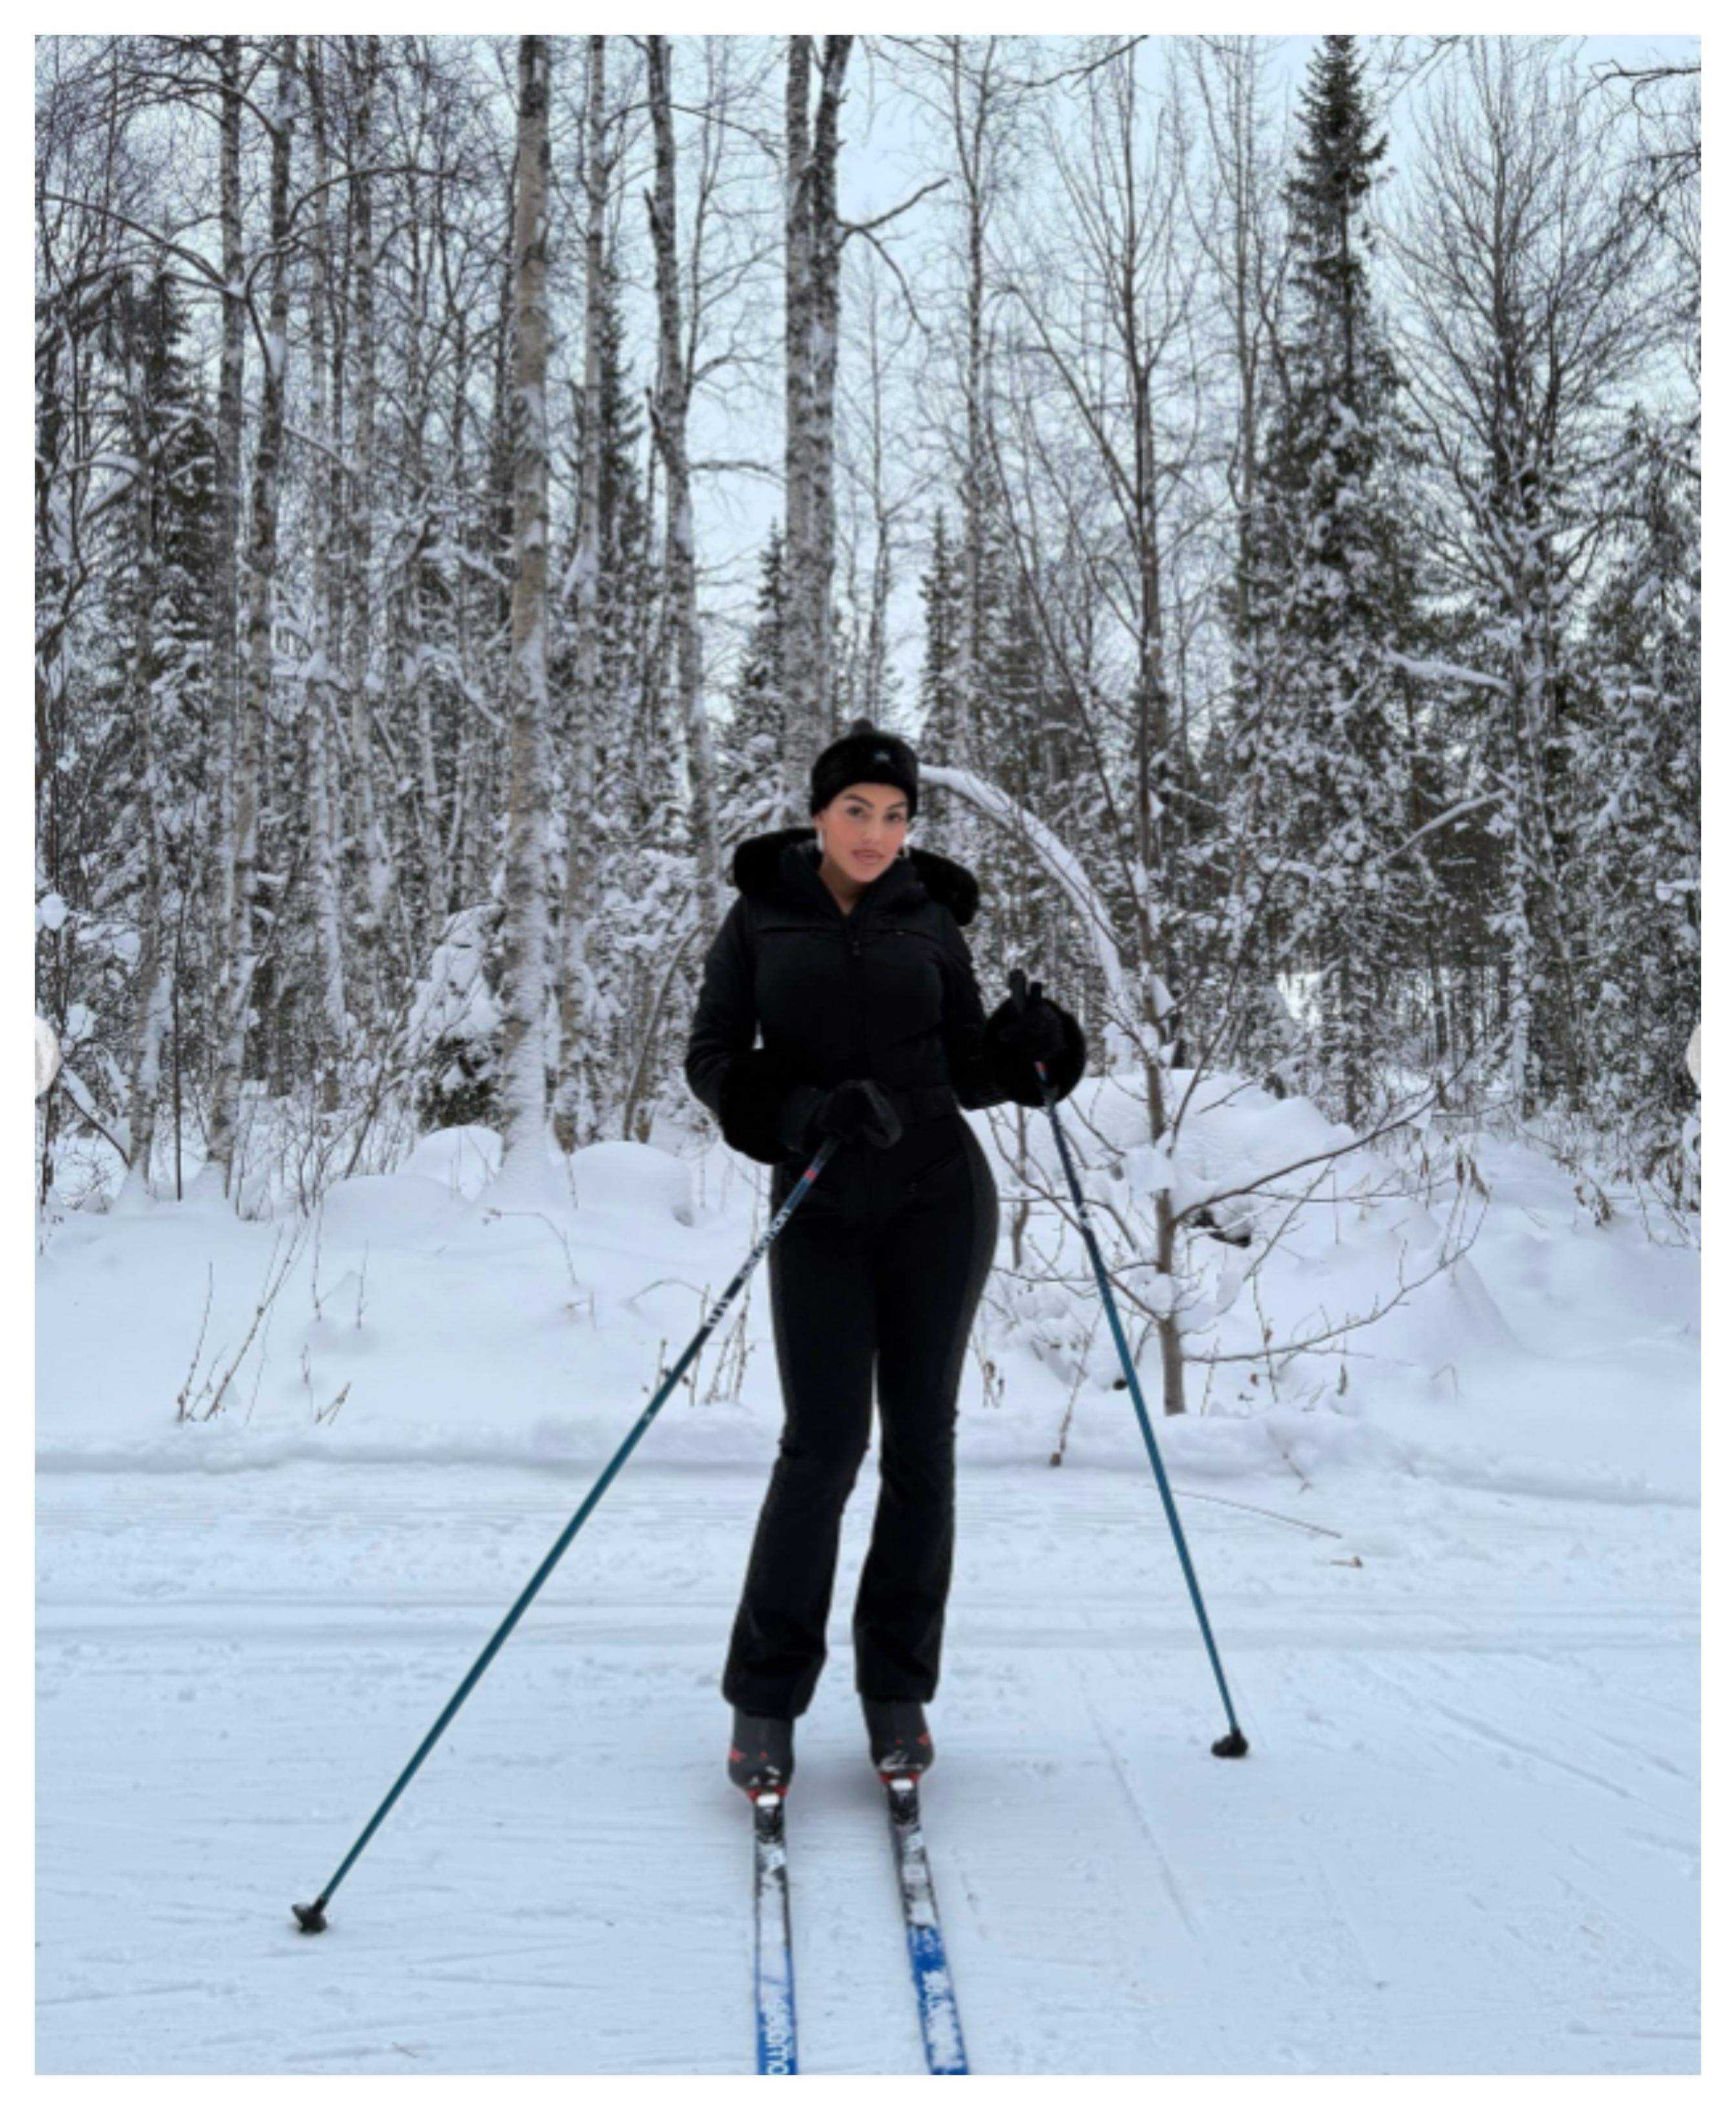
<point x="756" y="869"/>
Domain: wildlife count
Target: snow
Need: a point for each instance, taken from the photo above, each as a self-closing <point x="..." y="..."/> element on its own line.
<point x="1466" y="1838"/>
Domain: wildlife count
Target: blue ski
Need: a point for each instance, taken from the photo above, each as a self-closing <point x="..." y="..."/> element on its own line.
<point x="936" y="2003"/>
<point x="774" y="1976"/>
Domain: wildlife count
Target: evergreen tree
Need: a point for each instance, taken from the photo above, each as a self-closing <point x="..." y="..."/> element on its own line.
<point x="158" y="591"/>
<point x="941" y="690"/>
<point x="1325" y="787"/>
<point x="1636" y="765"/>
<point x="749" y="769"/>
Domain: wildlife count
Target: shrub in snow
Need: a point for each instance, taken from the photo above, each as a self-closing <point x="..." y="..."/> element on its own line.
<point x="454" y="1027"/>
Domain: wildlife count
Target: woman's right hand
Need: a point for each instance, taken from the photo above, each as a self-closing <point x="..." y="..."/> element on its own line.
<point x="858" y="1108"/>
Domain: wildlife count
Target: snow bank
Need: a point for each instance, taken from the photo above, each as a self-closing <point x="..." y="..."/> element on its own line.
<point x="433" y="1317"/>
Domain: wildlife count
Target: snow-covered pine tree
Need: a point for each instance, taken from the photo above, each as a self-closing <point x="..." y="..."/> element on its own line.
<point x="168" y="583"/>
<point x="1328" y="762"/>
<point x="748" y="769"/>
<point x="943" y="603"/>
<point x="1636" y="765"/>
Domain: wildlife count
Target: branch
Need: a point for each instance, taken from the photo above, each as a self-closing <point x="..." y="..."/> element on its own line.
<point x="850" y="227"/>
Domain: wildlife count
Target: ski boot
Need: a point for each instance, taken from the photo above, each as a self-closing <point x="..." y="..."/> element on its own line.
<point x="761" y="1753"/>
<point x="898" y="1739"/>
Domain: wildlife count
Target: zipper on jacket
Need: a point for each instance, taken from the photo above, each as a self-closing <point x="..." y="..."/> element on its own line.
<point x="853" y="939"/>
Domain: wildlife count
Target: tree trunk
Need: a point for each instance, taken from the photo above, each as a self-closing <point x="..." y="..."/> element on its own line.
<point x="811" y="237"/>
<point x="669" y="424"/>
<point x="525" y="977"/>
<point x="262" y="558"/>
<point x="577" y="904"/>
<point x="802" y="714"/>
<point x="151" y="990"/>
<point x="220" y="816"/>
<point x="373" y="877"/>
<point x="329" y="1003"/>
<point x="825" y="241"/>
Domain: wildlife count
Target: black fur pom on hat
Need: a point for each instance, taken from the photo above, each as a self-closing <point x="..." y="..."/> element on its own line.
<point x="863" y="756"/>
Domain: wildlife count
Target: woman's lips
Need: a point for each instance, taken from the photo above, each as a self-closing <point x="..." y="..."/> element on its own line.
<point x="865" y="858"/>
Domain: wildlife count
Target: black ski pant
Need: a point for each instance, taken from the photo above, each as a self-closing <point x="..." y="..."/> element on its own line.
<point x="875" y="1277"/>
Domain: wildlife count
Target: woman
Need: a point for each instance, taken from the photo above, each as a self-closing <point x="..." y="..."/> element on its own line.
<point x="842" y="949"/>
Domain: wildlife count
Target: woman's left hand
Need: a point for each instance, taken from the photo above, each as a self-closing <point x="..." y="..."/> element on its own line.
<point x="1036" y="1032"/>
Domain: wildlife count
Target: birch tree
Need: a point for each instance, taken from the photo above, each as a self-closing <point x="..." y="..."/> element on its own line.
<point x="371" y="864"/>
<point x="226" y="605"/>
<point x="584" y="585"/>
<point x="241" y="950"/>
<point x="812" y="239"/>
<point x="329" y="1009"/>
<point x="525" y="977"/>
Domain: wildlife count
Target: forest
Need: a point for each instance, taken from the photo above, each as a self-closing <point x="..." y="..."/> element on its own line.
<point x="474" y="475"/>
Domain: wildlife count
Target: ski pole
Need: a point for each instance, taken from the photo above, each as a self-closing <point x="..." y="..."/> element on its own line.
<point x="311" y="1918"/>
<point x="1235" y="1745"/>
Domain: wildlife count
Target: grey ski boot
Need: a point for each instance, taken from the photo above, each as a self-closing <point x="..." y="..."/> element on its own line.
<point x="898" y="1739"/>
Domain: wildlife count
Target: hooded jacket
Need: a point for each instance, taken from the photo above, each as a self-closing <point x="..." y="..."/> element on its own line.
<point x="886" y="992"/>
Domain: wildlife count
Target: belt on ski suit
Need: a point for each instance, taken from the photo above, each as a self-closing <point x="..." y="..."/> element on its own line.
<point x="923" y="1103"/>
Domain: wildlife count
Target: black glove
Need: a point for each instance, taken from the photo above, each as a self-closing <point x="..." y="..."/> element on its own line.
<point x="1036" y="1032"/>
<point x="858" y="1108"/>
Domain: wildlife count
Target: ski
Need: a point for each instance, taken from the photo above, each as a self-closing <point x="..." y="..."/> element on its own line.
<point x="774" y="1975"/>
<point x="936" y="2003"/>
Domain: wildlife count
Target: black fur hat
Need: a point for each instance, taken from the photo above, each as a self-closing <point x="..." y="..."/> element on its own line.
<point x="863" y="756"/>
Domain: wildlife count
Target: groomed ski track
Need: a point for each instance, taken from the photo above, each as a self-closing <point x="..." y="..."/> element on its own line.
<point x="1466" y="1838"/>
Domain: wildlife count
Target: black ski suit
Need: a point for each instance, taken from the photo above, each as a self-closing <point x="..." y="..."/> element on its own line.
<point x="885" y="1258"/>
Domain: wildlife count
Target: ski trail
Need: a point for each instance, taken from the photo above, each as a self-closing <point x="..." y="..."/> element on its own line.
<point x="1381" y="1887"/>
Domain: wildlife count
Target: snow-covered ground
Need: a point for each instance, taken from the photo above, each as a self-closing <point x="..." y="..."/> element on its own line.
<point x="1466" y="1839"/>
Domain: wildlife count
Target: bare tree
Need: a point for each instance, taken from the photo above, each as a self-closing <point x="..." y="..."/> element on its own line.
<point x="372" y="873"/>
<point x="330" y="1030"/>
<point x="585" y="577"/>
<point x="156" y="962"/>
<point x="226" y="601"/>
<point x="242" y="951"/>
<point x="1239" y="228"/>
<point x="525" y="979"/>
<point x="1110" y="427"/>
<point x="813" y="238"/>
<point x="1532" y="309"/>
<point x="882" y="484"/>
<point x="978" y="91"/>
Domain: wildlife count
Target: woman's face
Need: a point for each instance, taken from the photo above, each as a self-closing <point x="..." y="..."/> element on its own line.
<point x="864" y="828"/>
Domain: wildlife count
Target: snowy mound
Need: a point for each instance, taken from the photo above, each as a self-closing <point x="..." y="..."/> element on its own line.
<point x="1337" y="1318"/>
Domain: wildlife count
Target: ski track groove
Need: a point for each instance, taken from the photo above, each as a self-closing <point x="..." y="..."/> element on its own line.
<point x="1166" y="1874"/>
